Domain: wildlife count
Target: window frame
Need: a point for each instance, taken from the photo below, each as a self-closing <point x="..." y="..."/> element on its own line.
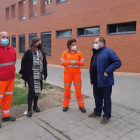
<point x="62" y="31"/>
<point x="7" y="12"/>
<point x="19" y="43"/>
<point x="117" y="28"/>
<point x="32" y="34"/>
<point x="13" y="7"/>
<point x="44" y="33"/>
<point x="48" y="3"/>
<point x="60" y="2"/>
<point x="13" y="36"/>
<point x="84" y="32"/>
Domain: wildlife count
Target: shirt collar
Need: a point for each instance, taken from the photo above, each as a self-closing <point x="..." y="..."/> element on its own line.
<point x="75" y="51"/>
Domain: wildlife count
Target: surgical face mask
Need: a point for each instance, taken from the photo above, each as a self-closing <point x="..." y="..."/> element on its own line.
<point x="96" y="47"/>
<point x="73" y="47"/>
<point x="4" y="42"/>
<point x="39" y="46"/>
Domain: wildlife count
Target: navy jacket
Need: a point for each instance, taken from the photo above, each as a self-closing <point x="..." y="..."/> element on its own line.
<point x="107" y="61"/>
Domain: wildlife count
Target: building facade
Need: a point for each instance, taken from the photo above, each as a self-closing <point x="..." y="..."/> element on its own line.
<point x="55" y="21"/>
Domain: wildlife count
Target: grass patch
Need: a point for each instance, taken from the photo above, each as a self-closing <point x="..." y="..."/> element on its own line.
<point x="20" y="96"/>
<point x="45" y="85"/>
<point x="17" y="82"/>
<point x="50" y="87"/>
<point x="18" y="76"/>
<point x="42" y="96"/>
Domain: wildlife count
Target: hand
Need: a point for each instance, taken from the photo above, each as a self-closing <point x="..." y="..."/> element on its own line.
<point x="73" y="62"/>
<point x="105" y="74"/>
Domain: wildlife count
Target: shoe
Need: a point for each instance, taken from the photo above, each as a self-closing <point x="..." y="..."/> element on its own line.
<point x="83" y="110"/>
<point x="36" y="109"/>
<point x="65" y="109"/>
<point x="0" y="125"/>
<point x="93" y="115"/>
<point x="10" y="118"/>
<point x="104" y="121"/>
<point x="29" y="114"/>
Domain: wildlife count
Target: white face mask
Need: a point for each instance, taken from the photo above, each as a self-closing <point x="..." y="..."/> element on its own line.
<point x="96" y="47"/>
<point x="73" y="47"/>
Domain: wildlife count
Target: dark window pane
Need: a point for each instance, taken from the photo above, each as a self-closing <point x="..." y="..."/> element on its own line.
<point x="80" y="32"/>
<point x="66" y="33"/>
<point x="14" y="41"/>
<point x="91" y="31"/>
<point x="35" y="2"/>
<point x="46" y="41"/>
<point x="127" y="27"/>
<point x="31" y="36"/>
<point x="59" y="1"/>
<point x="48" y="2"/>
<point x="88" y="31"/>
<point x="112" y="28"/>
<point x="22" y="44"/>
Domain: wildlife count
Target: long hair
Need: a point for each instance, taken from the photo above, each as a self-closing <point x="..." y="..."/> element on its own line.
<point x="34" y="41"/>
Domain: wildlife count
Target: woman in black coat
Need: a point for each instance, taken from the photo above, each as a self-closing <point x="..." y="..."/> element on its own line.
<point x="33" y="71"/>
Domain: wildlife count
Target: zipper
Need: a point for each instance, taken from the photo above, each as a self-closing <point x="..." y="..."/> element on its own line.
<point x="7" y="54"/>
<point x="97" y="70"/>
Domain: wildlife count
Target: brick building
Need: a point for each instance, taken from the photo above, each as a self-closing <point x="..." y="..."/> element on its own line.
<point x="55" y="21"/>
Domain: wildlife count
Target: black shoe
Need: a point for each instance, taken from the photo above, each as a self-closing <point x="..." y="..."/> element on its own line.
<point x="29" y="114"/>
<point x="0" y="125"/>
<point x="10" y="118"/>
<point x="36" y="109"/>
<point x="65" y="109"/>
<point x="83" y="110"/>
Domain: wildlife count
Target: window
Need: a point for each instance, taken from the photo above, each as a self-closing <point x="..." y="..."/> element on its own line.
<point x="64" y="33"/>
<point x="46" y="41"/>
<point x="48" y="2"/>
<point x="21" y="43"/>
<point x="7" y="13"/>
<point x="13" y="12"/>
<point x="34" y="2"/>
<point x="45" y="7"/>
<point x="121" y="28"/>
<point x="21" y="11"/>
<point x="32" y="8"/>
<point x="31" y="36"/>
<point x="14" y="41"/>
<point x="59" y="1"/>
<point x="90" y="31"/>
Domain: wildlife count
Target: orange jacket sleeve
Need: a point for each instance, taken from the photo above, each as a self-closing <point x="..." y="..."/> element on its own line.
<point x="63" y="60"/>
<point x="82" y="61"/>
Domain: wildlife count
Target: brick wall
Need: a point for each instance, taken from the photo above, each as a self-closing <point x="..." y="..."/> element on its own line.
<point x="74" y="14"/>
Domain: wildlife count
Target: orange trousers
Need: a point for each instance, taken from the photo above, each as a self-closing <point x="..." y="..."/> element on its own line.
<point x="77" y="82"/>
<point x="6" y="97"/>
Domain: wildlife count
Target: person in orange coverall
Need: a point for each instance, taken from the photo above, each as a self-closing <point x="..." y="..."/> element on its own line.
<point x="72" y="60"/>
<point x="7" y="75"/>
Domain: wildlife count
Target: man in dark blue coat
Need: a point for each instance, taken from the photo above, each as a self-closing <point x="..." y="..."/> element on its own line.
<point x="104" y="62"/>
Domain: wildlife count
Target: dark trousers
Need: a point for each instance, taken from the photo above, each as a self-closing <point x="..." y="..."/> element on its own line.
<point x="31" y="93"/>
<point x="101" y="95"/>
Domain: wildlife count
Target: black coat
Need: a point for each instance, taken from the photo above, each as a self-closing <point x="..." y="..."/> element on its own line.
<point x="27" y="65"/>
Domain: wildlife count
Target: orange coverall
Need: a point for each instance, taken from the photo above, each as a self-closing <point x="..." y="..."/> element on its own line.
<point x="72" y="73"/>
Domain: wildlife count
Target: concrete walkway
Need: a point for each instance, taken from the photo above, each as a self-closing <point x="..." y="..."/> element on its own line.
<point x="74" y="125"/>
